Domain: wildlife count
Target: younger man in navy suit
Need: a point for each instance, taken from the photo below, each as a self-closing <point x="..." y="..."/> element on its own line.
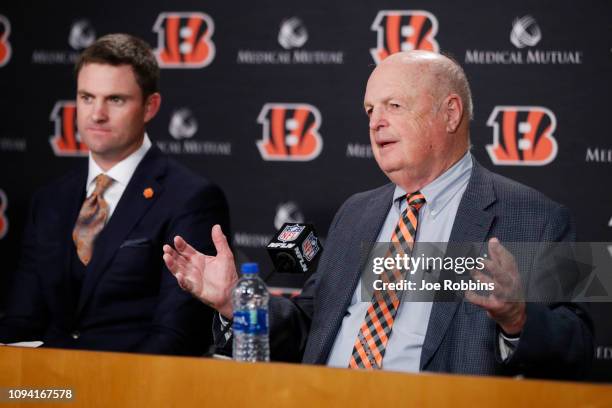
<point x="91" y="275"/>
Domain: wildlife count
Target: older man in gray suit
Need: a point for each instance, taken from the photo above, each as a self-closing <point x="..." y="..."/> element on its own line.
<point x="419" y="107"/>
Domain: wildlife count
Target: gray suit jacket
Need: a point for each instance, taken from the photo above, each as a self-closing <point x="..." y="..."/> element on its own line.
<point x="556" y="340"/>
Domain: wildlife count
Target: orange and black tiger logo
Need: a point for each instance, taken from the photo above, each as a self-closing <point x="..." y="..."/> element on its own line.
<point x="290" y="132"/>
<point x="66" y="141"/>
<point x="522" y="136"/>
<point x="4" y="224"/>
<point x="5" y="46"/>
<point x="184" y="40"/>
<point x="404" y="30"/>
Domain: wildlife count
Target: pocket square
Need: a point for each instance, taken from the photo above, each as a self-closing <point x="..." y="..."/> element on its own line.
<point x="137" y="242"/>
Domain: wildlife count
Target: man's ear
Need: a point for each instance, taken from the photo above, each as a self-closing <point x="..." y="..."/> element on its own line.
<point x="152" y="105"/>
<point x="453" y="112"/>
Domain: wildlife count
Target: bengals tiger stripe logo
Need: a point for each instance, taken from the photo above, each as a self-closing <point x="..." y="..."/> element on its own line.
<point x="522" y="136"/>
<point x="290" y="132"/>
<point x="184" y="39"/>
<point x="66" y="141"/>
<point x="5" y="46"/>
<point x="404" y="30"/>
<point x="4" y="224"/>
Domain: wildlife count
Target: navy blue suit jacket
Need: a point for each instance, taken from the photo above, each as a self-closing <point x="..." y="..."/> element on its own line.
<point x="461" y="338"/>
<point x="128" y="300"/>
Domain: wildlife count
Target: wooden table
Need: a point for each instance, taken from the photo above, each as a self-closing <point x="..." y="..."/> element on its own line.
<point x="101" y="379"/>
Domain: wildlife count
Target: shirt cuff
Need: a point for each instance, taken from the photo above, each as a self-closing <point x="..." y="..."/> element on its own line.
<point x="226" y="325"/>
<point x="507" y="345"/>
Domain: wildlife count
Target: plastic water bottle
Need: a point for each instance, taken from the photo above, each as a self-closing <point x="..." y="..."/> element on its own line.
<point x="250" y="326"/>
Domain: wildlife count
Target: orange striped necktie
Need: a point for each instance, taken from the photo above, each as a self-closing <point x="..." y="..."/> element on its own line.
<point x="375" y="331"/>
<point x="91" y="219"/>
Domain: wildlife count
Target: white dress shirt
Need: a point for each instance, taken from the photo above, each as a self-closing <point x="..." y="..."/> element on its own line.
<point x="121" y="173"/>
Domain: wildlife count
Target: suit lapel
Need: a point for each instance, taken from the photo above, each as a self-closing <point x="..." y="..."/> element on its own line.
<point x="472" y="224"/>
<point x="73" y="192"/>
<point x="347" y="270"/>
<point x="131" y="208"/>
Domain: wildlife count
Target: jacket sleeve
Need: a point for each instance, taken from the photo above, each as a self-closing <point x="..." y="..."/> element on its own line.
<point x="181" y="324"/>
<point x="557" y="339"/>
<point x="289" y="319"/>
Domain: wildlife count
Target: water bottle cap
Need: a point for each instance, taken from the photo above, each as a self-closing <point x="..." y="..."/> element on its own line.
<point x="249" y="267"/>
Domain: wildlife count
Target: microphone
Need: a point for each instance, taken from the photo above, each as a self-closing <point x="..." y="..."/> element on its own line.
<point x="295" y="248"/>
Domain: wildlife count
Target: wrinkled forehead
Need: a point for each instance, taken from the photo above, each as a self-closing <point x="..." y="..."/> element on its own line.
<point x="405" y="77"/>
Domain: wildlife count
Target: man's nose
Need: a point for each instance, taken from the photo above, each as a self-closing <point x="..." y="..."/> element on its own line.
<point x="99" y="113"/>
<point x="377" y="119"/>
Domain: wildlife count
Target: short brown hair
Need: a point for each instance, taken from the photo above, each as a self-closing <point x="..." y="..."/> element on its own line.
<point x="124" y="49"/>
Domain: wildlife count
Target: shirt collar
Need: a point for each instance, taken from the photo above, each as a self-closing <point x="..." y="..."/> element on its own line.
<point x="439" y="192"/>
<point x="122" y="171"/>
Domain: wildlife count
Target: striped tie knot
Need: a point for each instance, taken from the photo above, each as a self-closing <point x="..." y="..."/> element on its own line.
<point x="415" y="200"/>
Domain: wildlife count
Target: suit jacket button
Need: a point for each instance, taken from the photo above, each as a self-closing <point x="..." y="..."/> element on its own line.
<point x="75" y="335"/>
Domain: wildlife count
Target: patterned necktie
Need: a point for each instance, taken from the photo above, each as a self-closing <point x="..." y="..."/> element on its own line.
<point x="369" y="348"/>
<point x="91" y="220"/>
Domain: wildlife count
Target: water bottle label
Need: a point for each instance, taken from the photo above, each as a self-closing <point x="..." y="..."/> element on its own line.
<point x="253" y="321"/>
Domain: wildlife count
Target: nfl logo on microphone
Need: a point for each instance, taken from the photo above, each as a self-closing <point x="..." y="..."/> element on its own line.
<point x="290" y="233"/>
<point x="310" y="247"/>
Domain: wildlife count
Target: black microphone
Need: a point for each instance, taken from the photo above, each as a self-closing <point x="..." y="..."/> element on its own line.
<point x="295" y="248"/>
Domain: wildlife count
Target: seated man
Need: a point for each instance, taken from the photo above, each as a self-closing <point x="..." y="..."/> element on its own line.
<point x="91" y="276"/>
<point x="419" y="107"/>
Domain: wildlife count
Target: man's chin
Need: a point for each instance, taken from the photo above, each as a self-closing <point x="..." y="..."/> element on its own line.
<point x="103" y="152"/>
<point x="391" y="171"/>
<point x="387" y="166"/>
<point x="399" y="175"/>
<point x="97" y="150"/>
<point x="95" y="143"/>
